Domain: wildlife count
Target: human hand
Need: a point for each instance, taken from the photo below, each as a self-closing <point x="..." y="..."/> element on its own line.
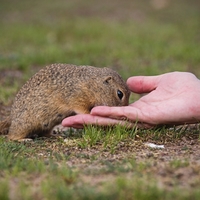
<point x="173" y="98"/>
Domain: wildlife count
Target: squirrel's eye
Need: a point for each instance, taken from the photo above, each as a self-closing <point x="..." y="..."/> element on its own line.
<point x="120" y="94"/>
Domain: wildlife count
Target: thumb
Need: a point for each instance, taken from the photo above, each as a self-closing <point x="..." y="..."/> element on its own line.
<point x="143" y="84"/>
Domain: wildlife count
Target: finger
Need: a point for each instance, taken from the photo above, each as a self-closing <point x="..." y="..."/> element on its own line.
<point x="127" y="113"/>
<point x="78" y="121"/>
<point x="71" y="122"/>
<point x="143" y="84"/>
<point x="81" y="119"/>
<point x="106" y="111"/>
<point x="120" y="113"/>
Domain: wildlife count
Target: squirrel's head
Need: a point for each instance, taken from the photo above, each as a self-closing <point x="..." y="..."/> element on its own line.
<point x="113" y="90"/>
<point x="100" y="87"/>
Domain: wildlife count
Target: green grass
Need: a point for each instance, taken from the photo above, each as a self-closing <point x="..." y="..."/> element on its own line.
<point x="134" y="38"/>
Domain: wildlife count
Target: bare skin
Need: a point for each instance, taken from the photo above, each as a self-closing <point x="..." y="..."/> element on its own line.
<point x="172" y="98"/>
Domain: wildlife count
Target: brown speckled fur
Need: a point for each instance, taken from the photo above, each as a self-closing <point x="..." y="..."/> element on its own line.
<point x="58" y="91"/>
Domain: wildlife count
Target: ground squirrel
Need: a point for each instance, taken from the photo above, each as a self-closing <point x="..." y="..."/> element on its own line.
<point x="58" y="91"/>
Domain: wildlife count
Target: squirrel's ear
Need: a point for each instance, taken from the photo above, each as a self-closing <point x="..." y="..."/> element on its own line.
<point x="107" y="80"/>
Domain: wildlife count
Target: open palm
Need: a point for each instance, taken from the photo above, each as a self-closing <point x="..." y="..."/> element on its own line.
<point x="172" y="98"/>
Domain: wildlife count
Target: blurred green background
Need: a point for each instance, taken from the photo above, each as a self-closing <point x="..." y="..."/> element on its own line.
<point x="134" y="37"/>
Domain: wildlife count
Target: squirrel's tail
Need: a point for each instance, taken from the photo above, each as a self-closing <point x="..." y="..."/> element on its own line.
<point x="4" y="126"/>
